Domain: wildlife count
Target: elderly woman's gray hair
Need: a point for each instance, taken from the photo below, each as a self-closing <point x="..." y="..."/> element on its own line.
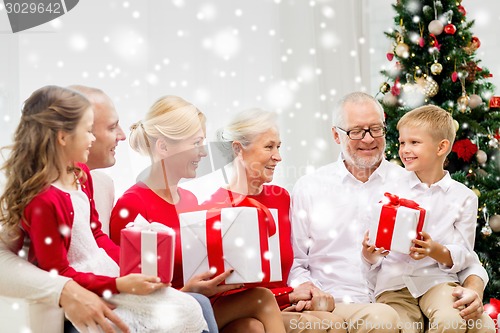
<point x="245" y="127"/>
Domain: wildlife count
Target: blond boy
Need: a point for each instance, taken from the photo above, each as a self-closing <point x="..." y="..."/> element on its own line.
<point x="420" y="284"/>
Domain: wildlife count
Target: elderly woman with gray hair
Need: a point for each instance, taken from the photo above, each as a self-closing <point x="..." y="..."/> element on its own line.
<point x="252" y="138"/>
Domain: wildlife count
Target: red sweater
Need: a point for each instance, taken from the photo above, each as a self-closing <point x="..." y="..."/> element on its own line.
<point x="272" y="197"/>
<point x="139" y="199"/>
<point x="47" y="217"/>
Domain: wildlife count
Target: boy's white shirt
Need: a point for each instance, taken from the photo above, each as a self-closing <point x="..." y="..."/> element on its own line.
<point x="451" y="221"/>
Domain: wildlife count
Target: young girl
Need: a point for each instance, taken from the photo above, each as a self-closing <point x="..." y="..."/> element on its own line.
<point x="172" y="134"/>
<point x="49" y="193"/>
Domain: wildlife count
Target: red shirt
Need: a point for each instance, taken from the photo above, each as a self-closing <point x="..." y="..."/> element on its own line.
<point x="278" y="198"/>
<point x="140" y="199"/>
<point x="47" y="216"/>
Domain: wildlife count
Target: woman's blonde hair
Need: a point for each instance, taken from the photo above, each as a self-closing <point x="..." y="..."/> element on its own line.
<point x="171" y="118"/>
<point x="34" y="154"/>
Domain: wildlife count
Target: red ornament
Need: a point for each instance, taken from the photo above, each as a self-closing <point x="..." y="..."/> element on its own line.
<point x="497" y="135"/>
<point x="454" y="76"/>
<point x="450" y="29"/>
<point x="390" y="56"/>
<point x="464" y="149"/>
<point x="476" y="41"/>
<point x="421" y="41"/>
<point x="462" y="10"/>
<point x="396" y="90"/>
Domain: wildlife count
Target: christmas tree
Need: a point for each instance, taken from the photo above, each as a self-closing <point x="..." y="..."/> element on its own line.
<point x="433" y="61"/>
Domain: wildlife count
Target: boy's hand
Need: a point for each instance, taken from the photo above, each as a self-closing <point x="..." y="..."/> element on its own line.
<point x="372" y="254"/>
<point x="426" y="247"/>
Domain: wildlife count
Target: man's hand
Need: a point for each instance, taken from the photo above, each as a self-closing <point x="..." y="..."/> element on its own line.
<point x="301" y="293"/>
<point x="469" y="303"/>
<point x="87" y="311"/>
<point x="321" y="301"/>
<point x="308" y="297"/>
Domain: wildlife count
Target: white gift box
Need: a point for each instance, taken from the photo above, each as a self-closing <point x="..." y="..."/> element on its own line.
<point x="241" y="245"/>
<point x="395" y="225"/>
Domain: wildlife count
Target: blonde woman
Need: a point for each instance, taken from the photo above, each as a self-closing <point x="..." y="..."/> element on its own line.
<point x="172" y="135"/>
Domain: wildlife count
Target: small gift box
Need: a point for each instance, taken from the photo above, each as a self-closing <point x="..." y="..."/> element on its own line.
<point x="147" y="248"/>
<point x="495" y="102"/>
<point x="245" y="239"/>
<point x="399" y="222"/>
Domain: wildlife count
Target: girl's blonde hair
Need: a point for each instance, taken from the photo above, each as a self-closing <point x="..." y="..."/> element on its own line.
<point x="34" y="154"/>
<point x="171" y="118"/>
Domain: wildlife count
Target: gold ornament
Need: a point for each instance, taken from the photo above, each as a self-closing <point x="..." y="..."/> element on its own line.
<point x="436" y="68"/>
<point x="481" y="156"/>
<point x="462" y="103"/>
<point x="430" y="88"/>
<point x="475" y="101"/>
<point x="494" y="223"/>
<point x="384" y="87"/>
<point x="486" y="230"/>
<point x="476" y="192"/>
<point x="457" y="125"/>
<point x="402" y="50"/>
<point x="481" y="172"/>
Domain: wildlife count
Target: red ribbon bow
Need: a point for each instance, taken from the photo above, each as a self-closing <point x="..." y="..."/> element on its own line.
<point x="397" y="201"/>
<point x="387" y="220"/>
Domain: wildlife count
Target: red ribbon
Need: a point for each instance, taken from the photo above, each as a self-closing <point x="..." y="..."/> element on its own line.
<point x="387" y="219"/>
<point x="267" y="228"/>
<point x="436" y="43"/>
<point x="494" y="102"/>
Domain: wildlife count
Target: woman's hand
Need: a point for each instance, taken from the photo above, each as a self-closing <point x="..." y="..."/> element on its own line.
<point x="203" y="284"/>
<point x="139" y="284"/>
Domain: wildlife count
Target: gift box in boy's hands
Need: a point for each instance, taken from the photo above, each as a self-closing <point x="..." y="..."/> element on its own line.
<point x="147" y="248"/>
<point x="399" y="222"/>
<point x="245" y="239"/>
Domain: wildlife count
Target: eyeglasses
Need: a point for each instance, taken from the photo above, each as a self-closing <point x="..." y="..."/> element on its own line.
<point x="359" y="134"/>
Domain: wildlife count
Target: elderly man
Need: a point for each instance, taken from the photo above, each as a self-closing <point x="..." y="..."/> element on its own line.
<point x="330" y="215"/>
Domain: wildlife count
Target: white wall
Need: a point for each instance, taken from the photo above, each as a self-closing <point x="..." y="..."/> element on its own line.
<point x="295" y="57"/>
